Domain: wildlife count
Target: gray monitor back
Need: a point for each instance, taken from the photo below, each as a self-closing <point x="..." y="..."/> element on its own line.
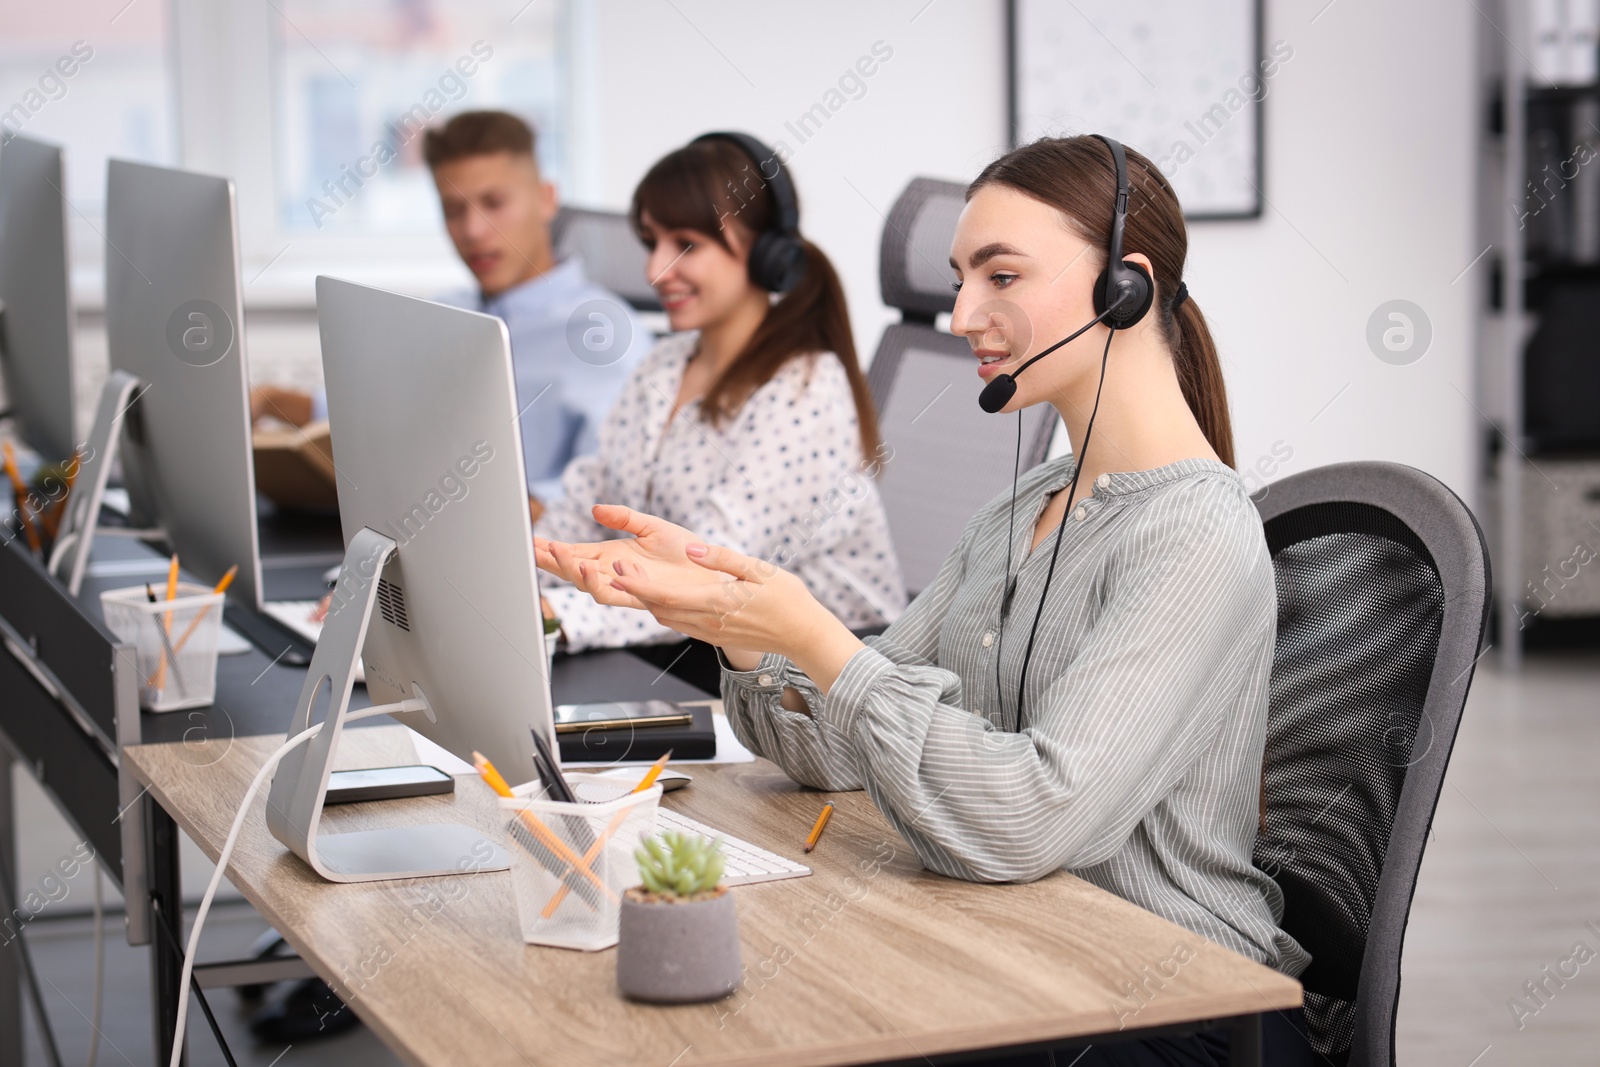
<point x="35" y="287"/>
<point x="423" y="407"/>
<point x="173" y="320"/>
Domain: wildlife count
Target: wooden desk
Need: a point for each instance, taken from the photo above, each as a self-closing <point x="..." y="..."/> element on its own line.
<point x="870" y="959"/>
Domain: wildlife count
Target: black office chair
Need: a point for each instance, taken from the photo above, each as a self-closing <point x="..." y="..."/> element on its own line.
<point x="610" y="251"/>
<point x="950" y="458"/>
<point x="1383" y="589"/>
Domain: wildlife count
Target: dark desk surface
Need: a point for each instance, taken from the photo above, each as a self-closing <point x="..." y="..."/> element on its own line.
<point x="256" y="696"/>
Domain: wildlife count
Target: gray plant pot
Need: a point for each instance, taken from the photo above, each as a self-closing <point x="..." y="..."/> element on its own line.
<point x="678" y="953"/>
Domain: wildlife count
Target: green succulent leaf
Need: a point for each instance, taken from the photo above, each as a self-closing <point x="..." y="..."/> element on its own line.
<point x="680" y="865"/>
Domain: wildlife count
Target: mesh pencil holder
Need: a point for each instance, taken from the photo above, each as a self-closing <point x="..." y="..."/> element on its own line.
<point x="570" y="864"/>
<point x="174" y="643"/>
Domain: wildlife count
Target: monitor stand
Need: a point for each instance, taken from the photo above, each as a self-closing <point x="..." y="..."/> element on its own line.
<point x="75" y="535"/>
<point x="300" y="783"/>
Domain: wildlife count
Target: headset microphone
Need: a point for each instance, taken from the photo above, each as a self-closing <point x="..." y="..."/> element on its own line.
<point x="998" y="393"/>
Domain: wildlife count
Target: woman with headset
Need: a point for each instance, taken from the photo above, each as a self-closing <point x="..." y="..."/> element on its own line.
<point x="751" y="424"/>
<point x="1084" y="685"/>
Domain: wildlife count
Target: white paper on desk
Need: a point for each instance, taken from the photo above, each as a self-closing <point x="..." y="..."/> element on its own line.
<point x="729" y="750"/>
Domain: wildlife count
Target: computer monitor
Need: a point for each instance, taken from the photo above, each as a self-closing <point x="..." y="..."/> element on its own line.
<point x="174" y="318"/>
<point x="423" y="408"/>
<point x="35" y="289"/>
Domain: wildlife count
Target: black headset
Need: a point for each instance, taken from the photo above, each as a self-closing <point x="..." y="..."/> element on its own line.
<point x="778" y="257"/>
<point x="1122" y="296"/>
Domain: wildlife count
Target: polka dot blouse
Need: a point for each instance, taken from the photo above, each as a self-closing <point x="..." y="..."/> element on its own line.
<point x="783" y="480"/>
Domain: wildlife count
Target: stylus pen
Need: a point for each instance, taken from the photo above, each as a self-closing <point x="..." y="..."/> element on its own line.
<point x="543" y="844"/>
<point x="549" y="769"/>
<point x="545" y="762"/>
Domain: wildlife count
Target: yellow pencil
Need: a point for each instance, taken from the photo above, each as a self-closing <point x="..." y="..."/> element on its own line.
<point x="220" y="587"/>
<point x="546" y="836"/>
<point x="617" y="820"/>
<point x="816" y="830"/>
<point x="52" y="521"/>
<point x="159" y="681"/>
<point x="20" y="491"/>
<point x="655" y="772"/>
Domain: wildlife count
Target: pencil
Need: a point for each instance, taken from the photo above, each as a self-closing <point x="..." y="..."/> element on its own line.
<point x="655" y="772"/>
<point x="52" y="521"/>
<point x="20" y="491"/>
<point x="540" y="831"/>
<point x="220" y="587"/>
<point x="616" y="821"/>
<point x="160" y="681"/>
<point x="816" y="830"/>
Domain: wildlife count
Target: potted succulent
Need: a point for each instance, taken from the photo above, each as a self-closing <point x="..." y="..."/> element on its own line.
<point x="678" y="940"/>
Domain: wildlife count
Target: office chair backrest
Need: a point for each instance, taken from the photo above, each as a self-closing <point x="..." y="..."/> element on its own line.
<point x="1383" y="596"/>
<point x="610" y="252"/>
<point x="949" y="457"/>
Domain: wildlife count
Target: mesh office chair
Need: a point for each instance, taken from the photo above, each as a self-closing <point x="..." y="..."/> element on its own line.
<point x="950" y="458"/>
<point x="1383" y="596"/>
<point x="610" y="252"/>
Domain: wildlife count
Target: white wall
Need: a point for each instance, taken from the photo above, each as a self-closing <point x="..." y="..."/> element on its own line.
<point x="1369" y="170"/>
<point x="935" y="108"/>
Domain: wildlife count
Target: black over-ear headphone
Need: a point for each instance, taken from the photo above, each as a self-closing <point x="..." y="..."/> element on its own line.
<point x="1121" y="277"/>
<point x="778" y="257"/>
<point x="1122" y="294"/>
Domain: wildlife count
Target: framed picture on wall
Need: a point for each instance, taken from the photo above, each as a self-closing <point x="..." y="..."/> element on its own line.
<point x="1181" y="81"/>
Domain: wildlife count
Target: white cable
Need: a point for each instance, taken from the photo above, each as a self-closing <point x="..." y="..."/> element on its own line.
<point x="99" y="965"/>
<point x="227" y="852"/>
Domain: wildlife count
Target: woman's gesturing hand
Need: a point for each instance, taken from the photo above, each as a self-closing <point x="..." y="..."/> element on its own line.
<point x="750" y="604"/>
<point x="592" y="567"/>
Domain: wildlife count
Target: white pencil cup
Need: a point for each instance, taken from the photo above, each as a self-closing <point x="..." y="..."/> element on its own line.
<point x="571" y="863"/>
<point x="174" y="642"/>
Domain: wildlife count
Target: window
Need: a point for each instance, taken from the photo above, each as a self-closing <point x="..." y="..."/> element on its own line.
<point x="357" y="80"/>
<point x="93" y="76"/>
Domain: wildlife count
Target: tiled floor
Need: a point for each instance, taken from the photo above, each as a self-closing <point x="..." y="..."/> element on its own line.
<point x="1511" y="881"/>
<point x="1510" y="885"/>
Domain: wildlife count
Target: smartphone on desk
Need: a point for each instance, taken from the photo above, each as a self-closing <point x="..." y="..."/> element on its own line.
<point x="614" y="715"/>
<point x="387" y="783"/>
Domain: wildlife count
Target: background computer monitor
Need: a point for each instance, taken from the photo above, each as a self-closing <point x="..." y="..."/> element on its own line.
<point x="35" y="287"/>
<point x="174" y="319"/>
<point x="423" y="409"/>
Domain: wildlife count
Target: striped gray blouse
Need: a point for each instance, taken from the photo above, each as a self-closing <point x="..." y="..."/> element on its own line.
<point x="1138" y="767"/>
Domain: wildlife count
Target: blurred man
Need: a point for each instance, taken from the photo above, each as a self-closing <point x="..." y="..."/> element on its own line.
<point x="573" y="343"/>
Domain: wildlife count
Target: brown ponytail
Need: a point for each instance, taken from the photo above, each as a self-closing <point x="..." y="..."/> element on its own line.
<point x="1200" y="374"/>
<point x="707" y="186"/>
<point x="1076" y="176"/>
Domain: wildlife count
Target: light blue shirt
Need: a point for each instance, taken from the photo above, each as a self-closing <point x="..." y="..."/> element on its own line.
<point x="574" y="345"/>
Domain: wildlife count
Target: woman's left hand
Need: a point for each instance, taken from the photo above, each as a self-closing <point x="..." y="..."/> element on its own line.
<point x="764" y="608"/>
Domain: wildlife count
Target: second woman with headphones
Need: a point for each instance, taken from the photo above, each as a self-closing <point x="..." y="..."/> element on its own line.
<point x="751" y="424"/>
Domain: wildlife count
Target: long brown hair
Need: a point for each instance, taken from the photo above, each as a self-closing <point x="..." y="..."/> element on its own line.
<point x="1076" y="176"/>
<point x="705" y="187"/>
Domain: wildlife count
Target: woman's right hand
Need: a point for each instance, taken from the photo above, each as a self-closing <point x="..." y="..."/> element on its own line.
<point x="657" y="547"/>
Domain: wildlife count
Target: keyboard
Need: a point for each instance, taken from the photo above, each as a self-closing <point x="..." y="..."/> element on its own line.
<point x="747" y="863"/>
<point x="296" y="615"/>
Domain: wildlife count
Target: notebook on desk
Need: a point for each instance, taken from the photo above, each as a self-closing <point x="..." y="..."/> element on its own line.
<point x="697" y="740"/>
